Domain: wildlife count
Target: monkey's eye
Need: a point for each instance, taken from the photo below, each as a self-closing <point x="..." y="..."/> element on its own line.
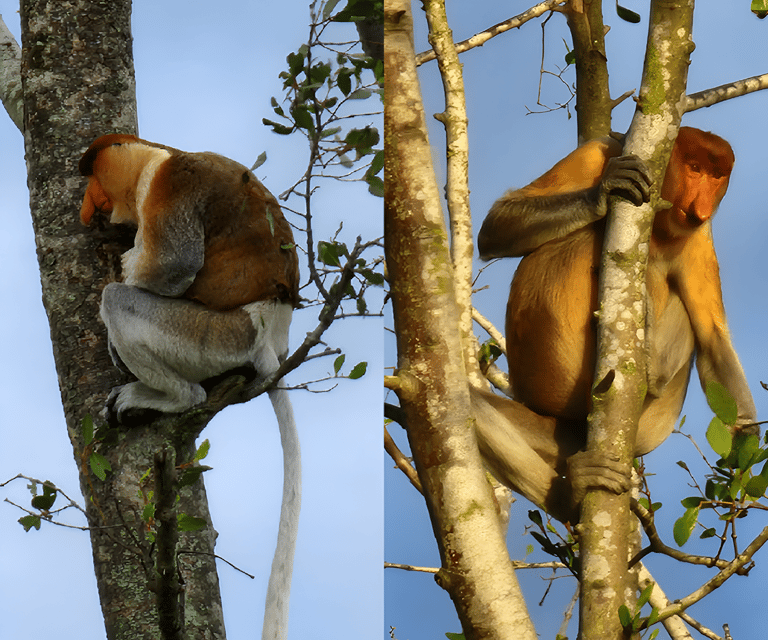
<point x="695" y="167"/>
<point x="117" y="144"/>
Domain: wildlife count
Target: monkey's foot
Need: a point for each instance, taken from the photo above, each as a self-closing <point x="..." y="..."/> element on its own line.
<point x="591" y="470"/>
<point x="135" y="402"/>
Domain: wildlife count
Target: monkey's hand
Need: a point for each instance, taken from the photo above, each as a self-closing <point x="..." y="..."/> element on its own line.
<point x="626" y="176"/>
<point x="591" y="470"/>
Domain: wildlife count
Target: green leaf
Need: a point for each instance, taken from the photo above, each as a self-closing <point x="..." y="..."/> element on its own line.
<point x="645" y="596"/>
<point x="190" y="523"/>
<point x="360" y="94"/>
<point x="202" y="450"/>
<point x="625" y="617"/>
<point x="372" y="277"/>
<point x="259" y="161"/>
<point x="45" y="501"/>
<point x="358" y="371"/>
<point x="377" y="164"/>
<point x="30" y="521"/>
<point x="626" y="14"/>
<point x="338" y="363"/>
<point x="87" y="429"/>
<point x="278" y="128"/>
<point x="148" y="513"/>
<point x="535" y="517"/>
<point x="328" y="9"/>
<point x="329" y="252"/>
<point x="708" y="533"/>
<point x="295" y="63"/>
<point x="748" y="449"/>
<point x="719" y="437"/>
<point x="454" y="636"/>
<point x="302" y="117"/>
<point x="691" y="502"/>
<point x="376" y="186"/>
<point x="721" y="402"/>
<point x="684" y="526"/>
<point x="760" y="8"/>
<point x="344" y="81"/>
<point x="99" y="465"/>
<point x="190" y="475"/>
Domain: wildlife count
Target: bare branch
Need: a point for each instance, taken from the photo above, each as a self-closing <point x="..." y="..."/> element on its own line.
<point x="727" y="91"/>
<point x="490" y="329"/>
<point x="479" y="39"/>
<point x="712" y="584"/>
<point x="401" y="460"/>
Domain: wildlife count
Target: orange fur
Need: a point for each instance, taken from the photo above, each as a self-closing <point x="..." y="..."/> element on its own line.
<point x="578" y="171"/>
<point x="94" y="200"/>
<point x="248" y="244"/>
<point x="550" y="314"/>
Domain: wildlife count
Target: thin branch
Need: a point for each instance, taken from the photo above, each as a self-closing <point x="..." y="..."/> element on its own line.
<point x="658" y="546"/>
<point x="479" y="39"/>
<point x="401" y="460"/>
<point x="708" y="587"/>
<point x="490" y="329"/>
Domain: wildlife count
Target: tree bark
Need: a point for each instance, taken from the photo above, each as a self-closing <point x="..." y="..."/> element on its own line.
<point x="620" y="387"/>
<point x="78" y="83"/>
<point x="431" y="380"/>
<point x="593" y="98"/>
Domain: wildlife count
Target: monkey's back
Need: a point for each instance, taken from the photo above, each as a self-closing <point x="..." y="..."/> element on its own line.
<point x="249" y="249"/>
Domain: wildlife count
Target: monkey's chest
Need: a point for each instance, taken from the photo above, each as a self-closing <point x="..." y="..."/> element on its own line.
<point x="550" y="327"/>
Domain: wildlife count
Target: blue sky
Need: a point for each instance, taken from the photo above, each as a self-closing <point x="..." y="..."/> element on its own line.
<point x="205" y="73"/>
<point x="509" y="149"/>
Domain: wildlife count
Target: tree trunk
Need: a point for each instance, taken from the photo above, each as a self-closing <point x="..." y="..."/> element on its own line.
<point x="431" y="380"/>
<point x="606" y="520"/>
<point x="78" y="83"/>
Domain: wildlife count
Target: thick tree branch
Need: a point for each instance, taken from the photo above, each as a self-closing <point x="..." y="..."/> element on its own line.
<point x="724" y="92"/>
<point x="620" y="377"/>
<point x="433" y="392"/>
<point x="454" y="118"/>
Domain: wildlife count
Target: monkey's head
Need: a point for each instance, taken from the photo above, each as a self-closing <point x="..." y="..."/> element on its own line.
<point x="695" y="182"/>
<point x="113" y="164"/>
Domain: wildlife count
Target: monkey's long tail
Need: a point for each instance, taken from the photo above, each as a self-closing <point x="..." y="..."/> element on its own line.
<point x="279" y="589"/>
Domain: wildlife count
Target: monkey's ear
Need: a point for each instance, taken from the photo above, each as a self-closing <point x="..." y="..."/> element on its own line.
<point x="94" y="200"/>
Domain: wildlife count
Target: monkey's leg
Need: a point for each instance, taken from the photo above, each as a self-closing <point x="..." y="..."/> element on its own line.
<point x="539" y="456"/>
<point x="171" y="345"/>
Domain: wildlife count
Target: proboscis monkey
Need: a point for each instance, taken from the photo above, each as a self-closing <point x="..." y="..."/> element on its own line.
<point x="557" y="224"/>
<point x="209" y="286"/>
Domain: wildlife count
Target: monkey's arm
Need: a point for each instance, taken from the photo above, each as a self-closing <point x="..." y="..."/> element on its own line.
<point x="169" y="248"/>
<point x="571" y="195"/>
<point x="165" y="262"/>
<point x="716" y="358"/>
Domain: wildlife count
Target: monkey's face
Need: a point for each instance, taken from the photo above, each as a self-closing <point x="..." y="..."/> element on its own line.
<point x="695" y="182"/>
